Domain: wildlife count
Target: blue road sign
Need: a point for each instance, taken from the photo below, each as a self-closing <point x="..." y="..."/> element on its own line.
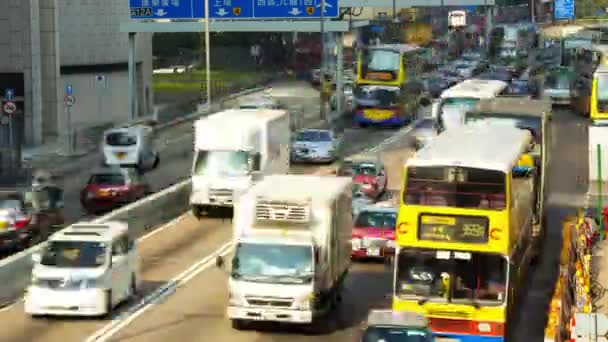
<point x="9" y="94"/>
<point x="470" y="9"/>
<point x="231" y="9"/>
<point x="564" y="9"/>
<point x="69" y="91"/>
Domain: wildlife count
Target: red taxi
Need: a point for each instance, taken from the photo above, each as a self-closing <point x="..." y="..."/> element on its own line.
<point x="111" y="188"/>
<point x="367" y="171"/>
<point x="373" y="233"/>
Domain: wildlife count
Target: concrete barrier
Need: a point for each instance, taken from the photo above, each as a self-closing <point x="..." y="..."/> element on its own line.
<point x="142" y="216"/>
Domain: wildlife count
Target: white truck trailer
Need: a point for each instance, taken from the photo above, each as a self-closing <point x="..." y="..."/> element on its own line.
<point x="292" y="250"/>
<point x="232" y="150"/>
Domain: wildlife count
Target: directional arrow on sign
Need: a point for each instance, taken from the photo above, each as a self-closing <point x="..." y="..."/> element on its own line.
<point x="221" y="12"/>
<point x="161" y="12"/>
<point x="294" y="11"/>
<point x="327" y="5"/>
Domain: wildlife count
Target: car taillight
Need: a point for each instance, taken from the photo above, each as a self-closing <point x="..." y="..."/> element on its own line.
<point x="22" y="222"/>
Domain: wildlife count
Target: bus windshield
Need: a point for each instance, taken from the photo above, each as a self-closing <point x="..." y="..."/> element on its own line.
<point x="450" y="276"/>
<point x="376" y="96"/>
<point x="453" y="109"/>
<point x="381" y="60"/>
<point x="459" y="187"/>
<point x="602" y="87"/>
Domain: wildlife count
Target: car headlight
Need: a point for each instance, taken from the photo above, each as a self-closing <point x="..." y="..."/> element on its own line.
<point x="356" y="242"/>
<point x="90" y="194"/>
<point x="366" y="186"/>
<point x="390" y="243"/>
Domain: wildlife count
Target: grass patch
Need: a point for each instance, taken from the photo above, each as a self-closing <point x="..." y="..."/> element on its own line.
<point x="195" y="80"/>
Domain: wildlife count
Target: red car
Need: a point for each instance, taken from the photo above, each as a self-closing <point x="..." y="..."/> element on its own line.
<point x="368" y="172"/>
<point x="374" y="233"/>
<point x="111" y="188"/>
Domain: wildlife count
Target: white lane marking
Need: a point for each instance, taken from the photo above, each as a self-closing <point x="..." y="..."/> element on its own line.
<point x="173" y="222"/>
<point x="10" y="306"/>
<point x="157" y="296"/>
<point x="399" y="134"/>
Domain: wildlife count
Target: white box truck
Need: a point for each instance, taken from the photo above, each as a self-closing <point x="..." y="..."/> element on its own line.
<point x="232" y="150"/>
<point x="292" y="250"/>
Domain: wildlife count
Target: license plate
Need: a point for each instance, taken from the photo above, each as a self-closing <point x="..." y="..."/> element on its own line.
<point x="373" y="251"/>
<point x="375" y="114"/>
<point x="120" y="155"/>
<point x="103" y="193"/>
<point x="446" y="339"/>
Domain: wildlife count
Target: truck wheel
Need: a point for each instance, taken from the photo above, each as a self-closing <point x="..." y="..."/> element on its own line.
<point x="238" y="324"/>
<point x="197" y="211"/>
<point x="156" y="162"/>
<point x="108" y="306"/>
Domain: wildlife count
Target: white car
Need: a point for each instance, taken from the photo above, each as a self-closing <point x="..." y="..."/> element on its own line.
<point x="315" y="145"/>
<point x="130" y="146"/>
<point x="84" y="270"/>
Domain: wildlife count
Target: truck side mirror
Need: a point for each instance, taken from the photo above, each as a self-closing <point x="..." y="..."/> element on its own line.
<point x="257" y="162"/>
<point x="219" y="262"/>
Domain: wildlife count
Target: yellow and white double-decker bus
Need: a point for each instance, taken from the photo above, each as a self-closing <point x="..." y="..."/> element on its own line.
<point x="464" y="230"/>
<point x="385" y="91"/>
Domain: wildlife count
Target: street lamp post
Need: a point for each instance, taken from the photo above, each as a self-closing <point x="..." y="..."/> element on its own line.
<point x="207" y="56"/>
<point x="323" y="66"/>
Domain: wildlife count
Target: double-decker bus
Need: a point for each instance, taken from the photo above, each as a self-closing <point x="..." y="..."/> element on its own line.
<point x="589" y="91"/>
<point x="386" y="90"/>
<point x="464" y="231"/>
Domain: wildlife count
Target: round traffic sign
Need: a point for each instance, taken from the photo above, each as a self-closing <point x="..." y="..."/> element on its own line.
<point x="69" y="100"/>
<point x="9" y="107"/>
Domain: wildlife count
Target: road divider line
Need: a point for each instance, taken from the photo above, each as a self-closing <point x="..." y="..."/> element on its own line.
<point x="124" y="319"/>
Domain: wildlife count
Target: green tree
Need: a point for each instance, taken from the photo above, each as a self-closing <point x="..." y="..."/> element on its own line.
<point x="590" y="8"/>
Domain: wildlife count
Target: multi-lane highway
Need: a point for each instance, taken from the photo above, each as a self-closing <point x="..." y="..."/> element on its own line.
<point x="166" y="252"/>
<point x="193" y="306"/>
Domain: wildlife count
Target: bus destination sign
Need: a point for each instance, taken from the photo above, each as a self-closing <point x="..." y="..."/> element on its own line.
<point x="464" y="229"/>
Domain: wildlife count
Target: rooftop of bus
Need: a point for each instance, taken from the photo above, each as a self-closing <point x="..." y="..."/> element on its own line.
<point x="475" y="88"/>
<point x="511" y="105"/>
<point x="491" y="148"/>
<point x="602" y="69"/>
<point x="397" y="47"/>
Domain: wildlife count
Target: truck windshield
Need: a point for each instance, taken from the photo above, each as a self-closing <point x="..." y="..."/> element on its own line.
<point x="273" y="263"/>
<point x="221" y="163"/>
<point x="78" y="254"/>
<point x="395" y="334"/>
<point x="450" y="276"/>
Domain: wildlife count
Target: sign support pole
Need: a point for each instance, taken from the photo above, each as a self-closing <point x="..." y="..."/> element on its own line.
<point x="600" y="215"/>
<point x="323" y="71"/>
<point x="70" y="133"/>
<point x="132" y="76"/>
<point x="340" y="74"/>
<point x="207" y="56"/>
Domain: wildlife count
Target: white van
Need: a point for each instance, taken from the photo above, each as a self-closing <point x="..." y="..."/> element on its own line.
<point x="131" y="146"/>
<point x="84" y="270"/>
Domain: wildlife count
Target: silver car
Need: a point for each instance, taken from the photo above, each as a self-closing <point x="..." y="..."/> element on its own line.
<point x="315" y="145"/>
<point x="425" y="132"/>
